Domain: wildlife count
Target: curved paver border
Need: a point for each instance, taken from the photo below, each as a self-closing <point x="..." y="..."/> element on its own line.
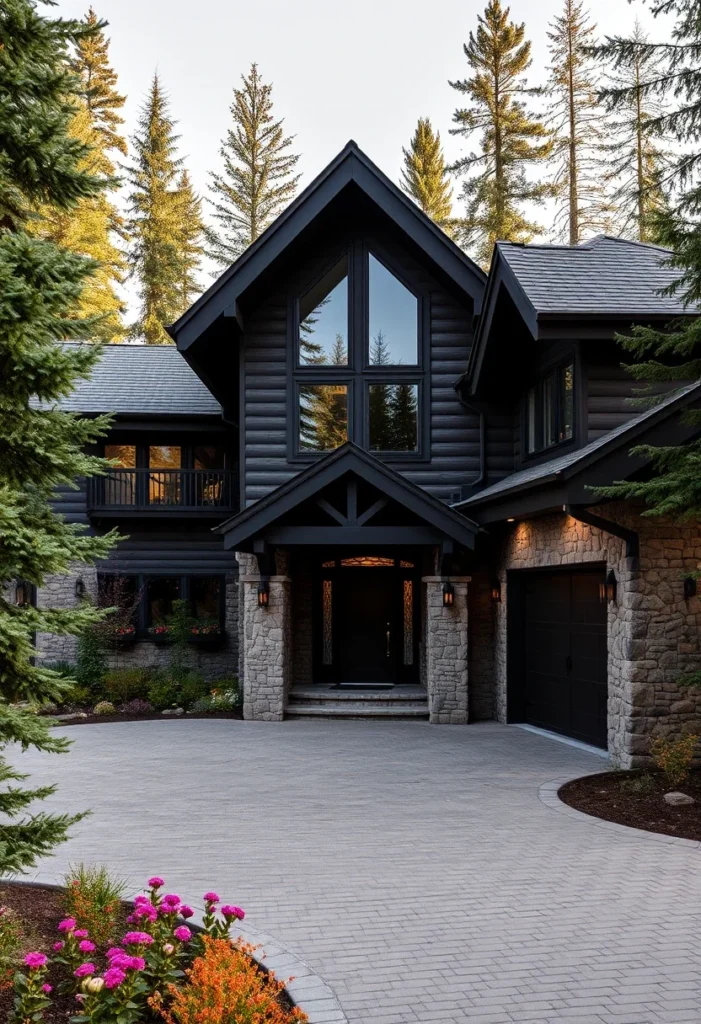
<point x="548" y="793"/>
<point x="307" y="990"/>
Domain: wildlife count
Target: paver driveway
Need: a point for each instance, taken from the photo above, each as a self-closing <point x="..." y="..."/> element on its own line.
<point x="412" y="866"/>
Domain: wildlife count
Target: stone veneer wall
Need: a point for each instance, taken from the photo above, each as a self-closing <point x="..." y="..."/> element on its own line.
<point x="446" y="651"/>
<point x="653" y="632"/>
<point x="218" y="663"/>
<point x="266" y="642"/>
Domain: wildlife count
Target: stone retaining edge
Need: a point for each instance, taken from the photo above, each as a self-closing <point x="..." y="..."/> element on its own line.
<point x="548" y="794"/>
<point x="307" y="990"/>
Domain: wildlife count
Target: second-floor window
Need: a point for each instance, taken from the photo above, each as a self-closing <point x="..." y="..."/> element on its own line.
<point x="358" y="361"/>
<point x="549" y="412"/>
<point x="165" y="474"/>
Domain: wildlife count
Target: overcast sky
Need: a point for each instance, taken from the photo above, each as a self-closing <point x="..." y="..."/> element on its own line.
<point x="363" y="69"/>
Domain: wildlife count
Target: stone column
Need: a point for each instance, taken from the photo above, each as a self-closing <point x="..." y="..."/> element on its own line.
<point x="446" y="651"/>
<point x="265" y="655"/>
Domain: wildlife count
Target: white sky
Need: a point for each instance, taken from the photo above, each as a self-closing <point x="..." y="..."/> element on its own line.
<point x="364" y="69"/>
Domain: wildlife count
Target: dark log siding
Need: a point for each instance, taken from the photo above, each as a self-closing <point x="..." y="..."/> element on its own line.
<point x="159" y="550"/>
<point x="452" y="452"/>
<point x="609" y="389"/>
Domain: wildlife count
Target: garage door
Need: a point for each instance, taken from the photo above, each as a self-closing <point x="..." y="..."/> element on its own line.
<point x="564" y="665"/>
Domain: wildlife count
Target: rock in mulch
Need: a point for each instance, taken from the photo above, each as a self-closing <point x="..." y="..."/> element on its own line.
<point x="70" y="716"/>
<point x="173" y="711"/>
<point x="678" y="799"/>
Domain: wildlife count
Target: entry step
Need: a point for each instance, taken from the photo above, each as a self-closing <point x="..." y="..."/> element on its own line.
<point x="356" y="710"/>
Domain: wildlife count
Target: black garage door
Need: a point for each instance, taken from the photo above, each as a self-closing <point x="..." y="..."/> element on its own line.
<point x="564" y="675"/>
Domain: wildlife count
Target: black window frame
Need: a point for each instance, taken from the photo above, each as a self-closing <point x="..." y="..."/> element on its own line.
<point x="142" y="579"/>
<point x="187" y="450"/>
<point x="556" y="370"/>
<point x="358" y="374"/>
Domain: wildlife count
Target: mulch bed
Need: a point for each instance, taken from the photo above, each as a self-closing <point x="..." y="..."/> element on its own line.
<point x="102" y="719"/>
<point x="616" y="796"/>
<point x="40" y="910"/>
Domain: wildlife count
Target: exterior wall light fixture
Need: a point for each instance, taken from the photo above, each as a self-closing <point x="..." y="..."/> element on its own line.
<point x="448" y="595"/>
<point x="690" y="587"/>
<point x="496" y="590"/>
<point x="79" y="589"/>
<point x="264" y="594"/>
<point x="607" y="590"/>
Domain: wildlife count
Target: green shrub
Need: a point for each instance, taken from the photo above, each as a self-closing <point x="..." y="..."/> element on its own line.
<point x="640" y="785"/>
<point x="192" y="687"/>
<point x="91" y="666"/>
<point x="93" y="897"/>
<point x="164" y="693"/>
<point x="219" y="700"/>
<point x="77" y="695"/>
<point x="11" y="943"/>
<point x="674" y="758"/>
<point x="126" y="684"/>
<point x="62" y="668"/>
<point x="104" y="707"/>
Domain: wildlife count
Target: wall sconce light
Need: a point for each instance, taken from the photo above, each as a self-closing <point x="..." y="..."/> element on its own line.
<point x="263" y="594"/>
<point x="79" y="589"/>
<point x="448" y="595"/>
<point x="690" y="587"/>
<point x="23" y="594"/>
<point x="607" y="590"/>
<point x="496" y="590"/>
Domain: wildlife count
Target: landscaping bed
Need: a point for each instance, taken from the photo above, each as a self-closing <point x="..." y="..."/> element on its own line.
<point x="92" y="719"/>
<point x="636" y="798"/>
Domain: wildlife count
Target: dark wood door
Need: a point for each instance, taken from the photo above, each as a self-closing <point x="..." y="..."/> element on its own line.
<point x="366" y="626"/>
<point x="565" y="664"/>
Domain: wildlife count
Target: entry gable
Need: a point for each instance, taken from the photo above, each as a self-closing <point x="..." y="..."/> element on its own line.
<point x="348" y="498"/>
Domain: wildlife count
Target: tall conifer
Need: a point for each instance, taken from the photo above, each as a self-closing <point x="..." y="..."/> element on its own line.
<point x="258" y="178"/>
<point x="191" y="239"/>
<point x="98" y="86"/>
<point x="425" y="175"/>
<point x="511" y="138"/>
<point x="579" y="125"/>
<point x="40" y="446"/>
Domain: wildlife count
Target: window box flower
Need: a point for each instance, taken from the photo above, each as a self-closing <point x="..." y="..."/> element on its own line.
<point x="122" y="636"/>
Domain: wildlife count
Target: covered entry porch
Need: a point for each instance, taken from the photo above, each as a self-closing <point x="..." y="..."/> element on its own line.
<point x="352" y="580"/>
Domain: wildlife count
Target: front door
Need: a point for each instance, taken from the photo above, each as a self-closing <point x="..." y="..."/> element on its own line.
<point x="366" y="626"/>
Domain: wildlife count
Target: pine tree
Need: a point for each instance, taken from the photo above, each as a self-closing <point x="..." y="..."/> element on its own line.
<point x="40" y="446"/>
<point x="155" y="225"/>
<point x="258" y="178"/>
<point x="512" y="139"/>
<point x="191" y="241"/>
<point x="98" y="86"/>
<point x="579" y="127"/>
<point x="639" y="156"/>
<point x="403" y="417"/>
<point x="425" y="175"/>
<point x="674" y="487"/>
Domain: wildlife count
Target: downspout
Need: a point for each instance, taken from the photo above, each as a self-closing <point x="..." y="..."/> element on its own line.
<point x="482" y="475"/>
<point x="583" y="515"/>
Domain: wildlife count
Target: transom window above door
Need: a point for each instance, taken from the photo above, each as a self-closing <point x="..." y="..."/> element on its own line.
<point x="359" y="359"/>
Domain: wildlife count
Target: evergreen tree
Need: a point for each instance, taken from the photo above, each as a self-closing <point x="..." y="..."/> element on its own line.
<point x="156" y="219"/>
<point x="425" y="175"/>
<point x="674" y="487"/>
<point x="639" y="156"/>
<point x="191" y="241"/>
<point x="40" y="446"/>
<point x="98" y="86"/>
<point x="512" y="139"/>
<point x="579" y="127"/>
<point x="379" y="399"/>
<point x="258" y="179"/>
<point x="403" y="417"/>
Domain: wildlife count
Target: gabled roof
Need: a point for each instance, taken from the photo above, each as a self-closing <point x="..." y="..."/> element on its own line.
<point x="566" y="466"/>
<point x="349" y="458"/>
<point x="142" y="380"/>
<point x="350" y="166"/>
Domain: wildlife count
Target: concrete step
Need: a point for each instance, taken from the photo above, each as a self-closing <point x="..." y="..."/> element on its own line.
<point x="356" y="709"/>
<point x="338" y="698"/>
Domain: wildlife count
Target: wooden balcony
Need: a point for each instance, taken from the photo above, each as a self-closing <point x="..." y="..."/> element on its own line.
<point x="171" y="492"/>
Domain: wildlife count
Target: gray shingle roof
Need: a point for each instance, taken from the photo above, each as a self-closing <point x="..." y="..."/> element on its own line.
<point x="612" y="439"/>
<point x="142" y="379"/>
<point x="603" y="276"/>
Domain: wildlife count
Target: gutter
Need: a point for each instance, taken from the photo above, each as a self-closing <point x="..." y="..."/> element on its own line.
<point x="482" y="475"/>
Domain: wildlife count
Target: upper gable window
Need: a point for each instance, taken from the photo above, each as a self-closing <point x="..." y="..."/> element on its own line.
<point x="393" y="320"/>
<point x="323" y="319"/>
<point x="550" y="410"/>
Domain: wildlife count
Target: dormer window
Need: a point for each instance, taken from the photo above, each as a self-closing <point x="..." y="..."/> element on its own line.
<point x="358" y="362"/>
<point x="550" y="410"/>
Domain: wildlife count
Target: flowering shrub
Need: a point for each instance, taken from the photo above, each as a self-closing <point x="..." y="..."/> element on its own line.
<point x="136" y="707"/>
<point x="224" y="985"/>
<point x="224" y="698"/>
<point x="10" y="946"/>
<point x="104" y="707"/>
<point x="31" y="990"/>
<point x="93" y="898"/>
<point x="674" y="758"/>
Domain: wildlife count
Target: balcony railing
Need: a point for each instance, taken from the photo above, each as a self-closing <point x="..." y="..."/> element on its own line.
<point x="163" y="490"/>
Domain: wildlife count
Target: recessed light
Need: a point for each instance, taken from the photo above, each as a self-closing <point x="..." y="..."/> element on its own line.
<point x="511" y="520"/>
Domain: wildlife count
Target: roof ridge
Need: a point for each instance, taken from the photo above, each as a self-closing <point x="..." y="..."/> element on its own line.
<point x="624" y="241"/>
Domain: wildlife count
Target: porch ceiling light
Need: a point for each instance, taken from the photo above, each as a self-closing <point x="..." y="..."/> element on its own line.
<point x="448" y="595"/>
<point x="263" y="594"/>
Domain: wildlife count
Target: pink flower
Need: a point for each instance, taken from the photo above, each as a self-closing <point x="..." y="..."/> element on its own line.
<point x="138" y="900"/>
<point x="86" y="946"/>
<point x="229" y="912"/>
<point x="156" y="882"/>
<point x="114" y="951"/>
<point x="34" y="960"/>
<point x="171" y="900"/>
<point x="210" y="897"/>
<point x="84" y="970"/>
<point x="168" y="948"/>
<point x="144" y="910"/>
<point x="58" y="946"/>
<point x="81" y="933"/>
<point x="114" y="977"/>
<point x="137" y="963"/>
<point x="183" y="933"/>
<point x="137" y="939"/>
<point x="186" y="911"/>
<point x="67" y="925"/>
<point x="46" y="989"/>
<point x="121" y="960"/>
